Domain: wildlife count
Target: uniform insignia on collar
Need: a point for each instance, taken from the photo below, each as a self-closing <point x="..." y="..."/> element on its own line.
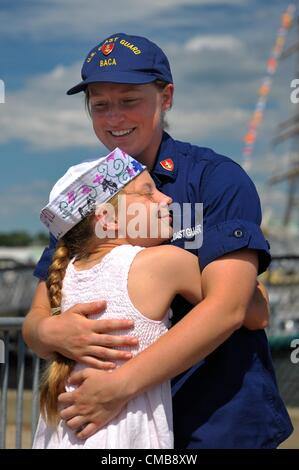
<point x="107" y="48"/>
<point x="167" y="164"/>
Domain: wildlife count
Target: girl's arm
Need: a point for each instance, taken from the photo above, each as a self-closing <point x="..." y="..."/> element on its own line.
<point x="184" y="275"/>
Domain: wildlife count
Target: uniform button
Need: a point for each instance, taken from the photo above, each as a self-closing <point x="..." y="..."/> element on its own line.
<point x="238" y="233"/>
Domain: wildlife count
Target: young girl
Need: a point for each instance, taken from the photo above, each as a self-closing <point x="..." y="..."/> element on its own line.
<point x="100" y="256"/>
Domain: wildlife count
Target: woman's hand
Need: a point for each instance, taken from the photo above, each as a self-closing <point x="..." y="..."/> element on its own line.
<point x="100" y="397"/>
<point x="258" y="312"/>
<point x="73" y="335"/>
<point x="84" y="340"/>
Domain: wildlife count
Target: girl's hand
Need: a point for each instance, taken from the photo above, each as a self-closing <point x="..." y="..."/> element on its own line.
<point x="100" y="397"/>
<point x="84" y="340"/>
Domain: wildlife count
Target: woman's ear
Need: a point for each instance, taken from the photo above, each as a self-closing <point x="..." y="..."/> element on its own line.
<point x="167" y="97"/>
<point x="106" y="221"/>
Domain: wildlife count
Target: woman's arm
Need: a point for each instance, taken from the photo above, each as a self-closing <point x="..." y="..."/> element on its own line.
<point x="258" y="312"/>
<point x="72" y="334"/>
<point x="36" y="336"/>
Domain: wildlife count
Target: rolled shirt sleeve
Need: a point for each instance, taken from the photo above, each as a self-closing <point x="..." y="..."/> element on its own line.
<point x="231" y="215"/>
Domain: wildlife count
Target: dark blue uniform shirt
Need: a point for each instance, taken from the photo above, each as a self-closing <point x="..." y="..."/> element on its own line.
<point x="230" y="399"/>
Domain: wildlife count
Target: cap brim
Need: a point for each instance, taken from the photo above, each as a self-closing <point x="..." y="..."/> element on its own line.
<point x="137" y="78"/>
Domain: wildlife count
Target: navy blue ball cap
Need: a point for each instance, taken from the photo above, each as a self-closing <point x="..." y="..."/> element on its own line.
<point x="122" y="58"/>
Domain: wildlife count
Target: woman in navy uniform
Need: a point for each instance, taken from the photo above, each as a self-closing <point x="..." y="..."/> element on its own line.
<point x="224" y="388"/>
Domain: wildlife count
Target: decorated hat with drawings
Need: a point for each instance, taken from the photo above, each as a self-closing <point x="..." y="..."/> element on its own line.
<point x="76" y="194"/>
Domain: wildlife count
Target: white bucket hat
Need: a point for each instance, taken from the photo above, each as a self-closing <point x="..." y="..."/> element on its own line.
<point x="76" y="194"/>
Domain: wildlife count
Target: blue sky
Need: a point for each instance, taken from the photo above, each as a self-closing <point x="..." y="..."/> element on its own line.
<point x="218" y="52"/>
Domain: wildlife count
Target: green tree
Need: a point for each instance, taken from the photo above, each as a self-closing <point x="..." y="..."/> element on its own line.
<point x="15" y="239"/>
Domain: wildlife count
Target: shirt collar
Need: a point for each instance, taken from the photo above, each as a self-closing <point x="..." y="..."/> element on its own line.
<point x="167" y="151"/>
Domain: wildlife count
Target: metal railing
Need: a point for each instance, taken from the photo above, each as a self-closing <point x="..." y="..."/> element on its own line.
<point x="282" y="280"/>
<point x="12" y="376"/>
<point x="17" y="286"/>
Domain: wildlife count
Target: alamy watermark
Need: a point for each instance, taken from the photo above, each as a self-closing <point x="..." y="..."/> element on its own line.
<point x="294" y="96"/>
<point x="295" y="353"/>
<point x="2" y="352"/>
<point x="2" y="91"/>
<point x="154" y="221"/>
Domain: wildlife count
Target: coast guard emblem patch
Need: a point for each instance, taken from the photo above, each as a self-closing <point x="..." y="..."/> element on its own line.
<point x="167" y="164"/>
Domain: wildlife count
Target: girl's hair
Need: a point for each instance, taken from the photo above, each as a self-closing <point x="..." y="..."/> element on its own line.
<point x="160" y="84"/>
<point x="75" y="243"/>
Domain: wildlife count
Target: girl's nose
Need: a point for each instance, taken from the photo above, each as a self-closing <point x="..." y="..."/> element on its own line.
<point x="162" y="198"/>
<point x="167" y="199"/>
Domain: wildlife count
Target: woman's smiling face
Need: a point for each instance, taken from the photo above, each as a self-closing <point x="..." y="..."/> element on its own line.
<point x="129" y="117"/>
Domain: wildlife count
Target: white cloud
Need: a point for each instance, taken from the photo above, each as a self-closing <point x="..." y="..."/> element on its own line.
<point x="222" y="43"/>
<point x="43" y="116"/>
<point x="217" y="77"/>
<point x="62" y="18"/>
<point x="211" y="96"/>
<point x="199" y="125"/>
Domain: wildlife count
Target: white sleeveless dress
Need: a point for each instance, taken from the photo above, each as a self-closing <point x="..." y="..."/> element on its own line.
<point x="146" y="421"/>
